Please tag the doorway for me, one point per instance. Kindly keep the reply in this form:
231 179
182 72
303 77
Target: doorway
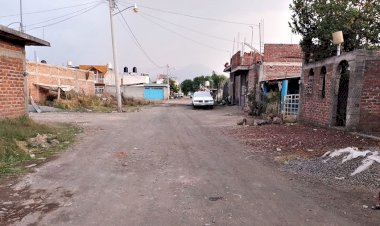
344 79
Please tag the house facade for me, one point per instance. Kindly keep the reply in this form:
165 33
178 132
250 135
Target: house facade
100 72
343 91
277 70
13 83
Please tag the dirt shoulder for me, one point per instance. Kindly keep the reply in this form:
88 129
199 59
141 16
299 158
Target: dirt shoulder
298 151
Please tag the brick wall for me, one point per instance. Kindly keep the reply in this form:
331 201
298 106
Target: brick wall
82 81
363 102
370 99
316 109
282 61
12 97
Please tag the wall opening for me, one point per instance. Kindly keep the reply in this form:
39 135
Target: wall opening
341 110
310 81
322 86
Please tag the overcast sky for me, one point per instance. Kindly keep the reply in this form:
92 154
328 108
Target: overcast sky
190 45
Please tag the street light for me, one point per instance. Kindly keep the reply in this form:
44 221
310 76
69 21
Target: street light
112 5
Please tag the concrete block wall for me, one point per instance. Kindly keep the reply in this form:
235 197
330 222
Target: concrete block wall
83 81
12 80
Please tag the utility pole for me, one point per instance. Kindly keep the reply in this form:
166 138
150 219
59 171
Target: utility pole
117 81
168 79
21 22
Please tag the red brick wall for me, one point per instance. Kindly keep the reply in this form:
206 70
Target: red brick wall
282 53
282 61
12 98
246 60
370 100
81 80
315 109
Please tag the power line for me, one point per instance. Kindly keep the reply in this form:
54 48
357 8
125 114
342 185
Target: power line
69 14
185 37
49 10
138 43
198 17
187 28
60 21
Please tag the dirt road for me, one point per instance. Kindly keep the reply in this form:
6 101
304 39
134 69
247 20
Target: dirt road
165 165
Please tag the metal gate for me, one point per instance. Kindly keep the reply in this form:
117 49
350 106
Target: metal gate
153 93
291 105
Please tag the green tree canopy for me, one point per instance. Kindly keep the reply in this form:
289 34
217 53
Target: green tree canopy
173 86
316 20
187 86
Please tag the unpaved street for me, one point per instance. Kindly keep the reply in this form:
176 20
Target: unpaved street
166 165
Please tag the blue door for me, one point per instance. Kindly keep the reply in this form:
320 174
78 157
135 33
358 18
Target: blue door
153 93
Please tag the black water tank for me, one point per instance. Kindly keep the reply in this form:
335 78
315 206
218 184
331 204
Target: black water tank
125 69
134 69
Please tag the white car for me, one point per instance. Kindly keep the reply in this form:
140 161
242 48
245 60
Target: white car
202 99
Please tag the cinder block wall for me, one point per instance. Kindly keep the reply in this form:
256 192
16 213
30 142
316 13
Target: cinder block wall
82 81
12 91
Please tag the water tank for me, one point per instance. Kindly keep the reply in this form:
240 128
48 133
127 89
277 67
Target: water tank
109 66
125 69
69 63
43 62
207 83
134 70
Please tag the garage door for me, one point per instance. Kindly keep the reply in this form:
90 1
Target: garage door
153 93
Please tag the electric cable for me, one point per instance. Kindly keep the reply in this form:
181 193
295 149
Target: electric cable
60 21
69 14
196 17
137 41
50 10
183 36
187 28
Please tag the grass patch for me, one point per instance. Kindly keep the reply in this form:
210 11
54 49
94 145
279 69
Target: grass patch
15 147
107 103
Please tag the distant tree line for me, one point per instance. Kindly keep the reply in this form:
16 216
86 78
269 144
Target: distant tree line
216 82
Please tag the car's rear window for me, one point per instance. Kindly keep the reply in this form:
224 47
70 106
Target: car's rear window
202 94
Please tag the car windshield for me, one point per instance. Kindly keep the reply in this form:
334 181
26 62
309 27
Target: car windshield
202 94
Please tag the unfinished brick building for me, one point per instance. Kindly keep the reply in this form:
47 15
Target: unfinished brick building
343 91
45 79
13 85
278 69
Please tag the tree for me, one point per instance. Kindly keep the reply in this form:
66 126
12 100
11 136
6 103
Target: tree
316 20
173 86
217 80
187 86
200 81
